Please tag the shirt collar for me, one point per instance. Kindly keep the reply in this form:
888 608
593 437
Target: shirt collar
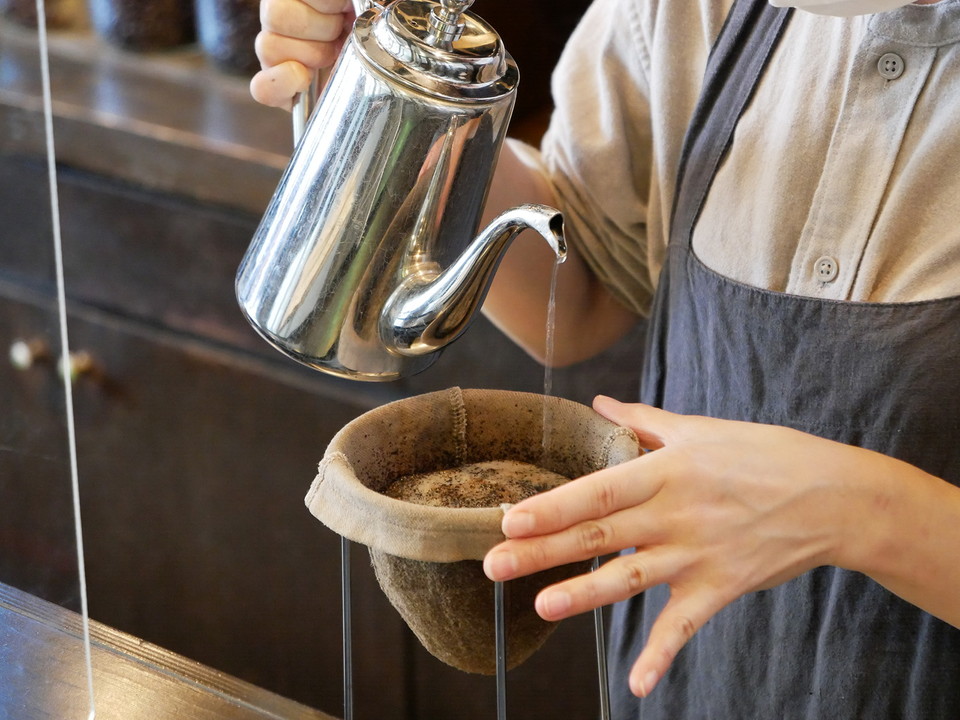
920 25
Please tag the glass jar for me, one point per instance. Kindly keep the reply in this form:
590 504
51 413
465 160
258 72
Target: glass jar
143 25
59 13
226 30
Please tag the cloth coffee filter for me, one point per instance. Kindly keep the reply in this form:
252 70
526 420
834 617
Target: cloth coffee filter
428 559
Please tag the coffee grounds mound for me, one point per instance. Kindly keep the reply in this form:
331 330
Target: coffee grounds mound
450 606
484 484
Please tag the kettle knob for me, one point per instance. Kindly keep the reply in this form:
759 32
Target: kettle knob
445 22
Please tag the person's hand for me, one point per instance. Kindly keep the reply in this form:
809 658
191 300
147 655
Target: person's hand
716 510
297 38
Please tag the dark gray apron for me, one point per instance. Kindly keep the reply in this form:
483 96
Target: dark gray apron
831 643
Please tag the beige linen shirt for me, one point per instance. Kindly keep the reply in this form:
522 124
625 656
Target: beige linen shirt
843 181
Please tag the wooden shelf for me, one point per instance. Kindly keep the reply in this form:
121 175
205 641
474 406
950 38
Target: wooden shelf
167 121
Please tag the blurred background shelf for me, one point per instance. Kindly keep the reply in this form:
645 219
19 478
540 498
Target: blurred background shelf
165 121
171 121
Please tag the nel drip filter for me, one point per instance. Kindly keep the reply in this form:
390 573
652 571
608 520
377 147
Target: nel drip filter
428 559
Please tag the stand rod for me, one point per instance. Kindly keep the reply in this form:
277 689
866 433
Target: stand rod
602 674
501 646
347 625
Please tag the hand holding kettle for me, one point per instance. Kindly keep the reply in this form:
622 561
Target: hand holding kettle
370 257
298 38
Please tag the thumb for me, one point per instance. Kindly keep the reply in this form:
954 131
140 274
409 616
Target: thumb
652 425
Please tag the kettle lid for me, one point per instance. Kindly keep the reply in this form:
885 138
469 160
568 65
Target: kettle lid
439 48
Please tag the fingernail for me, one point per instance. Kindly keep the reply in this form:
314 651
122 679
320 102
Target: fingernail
604 401
500 565
516 524
555 603
649 682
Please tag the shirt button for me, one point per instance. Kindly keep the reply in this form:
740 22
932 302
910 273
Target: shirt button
890 66
826 269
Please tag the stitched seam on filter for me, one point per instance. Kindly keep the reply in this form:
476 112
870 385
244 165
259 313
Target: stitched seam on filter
617 433
459 411
322 472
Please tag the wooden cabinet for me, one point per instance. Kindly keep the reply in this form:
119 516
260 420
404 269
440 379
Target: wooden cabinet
37 538
194 456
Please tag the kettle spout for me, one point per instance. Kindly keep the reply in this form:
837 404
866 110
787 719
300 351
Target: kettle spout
432 308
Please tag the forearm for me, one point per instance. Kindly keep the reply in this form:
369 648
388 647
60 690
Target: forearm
906 536
588 318
722 508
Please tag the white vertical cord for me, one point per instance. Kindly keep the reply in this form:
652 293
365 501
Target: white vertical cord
64 341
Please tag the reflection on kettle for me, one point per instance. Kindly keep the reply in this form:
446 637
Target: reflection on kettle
365 263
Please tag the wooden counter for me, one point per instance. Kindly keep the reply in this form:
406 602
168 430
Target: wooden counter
43 674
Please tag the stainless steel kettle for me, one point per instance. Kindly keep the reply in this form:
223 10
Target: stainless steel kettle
367 261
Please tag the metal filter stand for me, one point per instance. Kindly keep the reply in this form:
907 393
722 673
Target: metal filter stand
347 628
602 674
500 629
499 609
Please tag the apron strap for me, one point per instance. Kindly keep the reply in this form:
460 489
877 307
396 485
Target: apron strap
738 57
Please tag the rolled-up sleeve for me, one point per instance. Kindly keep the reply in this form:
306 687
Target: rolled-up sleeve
597 151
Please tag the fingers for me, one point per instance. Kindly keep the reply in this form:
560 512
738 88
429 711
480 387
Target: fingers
594 496
581 541
516 558
273 49
676 624
296 38
618 579
276 86
654 427
624 577
317 21
330 6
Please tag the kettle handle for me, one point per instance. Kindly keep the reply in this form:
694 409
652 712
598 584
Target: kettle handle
304 102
